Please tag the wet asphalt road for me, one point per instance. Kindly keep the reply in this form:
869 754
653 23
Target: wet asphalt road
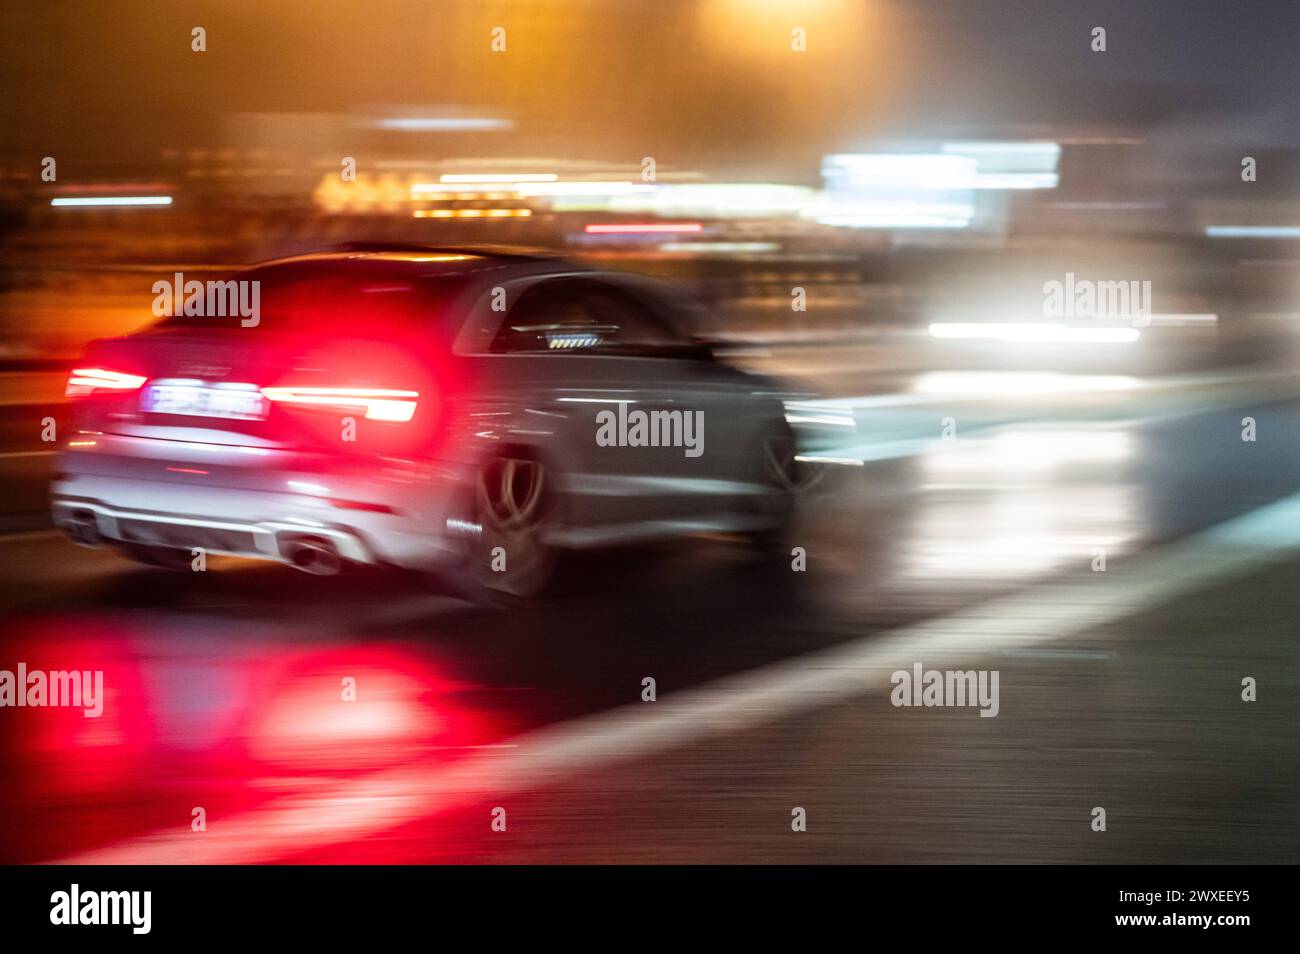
224 686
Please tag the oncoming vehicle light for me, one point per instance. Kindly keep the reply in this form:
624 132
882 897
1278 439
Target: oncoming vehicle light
380 404
84 381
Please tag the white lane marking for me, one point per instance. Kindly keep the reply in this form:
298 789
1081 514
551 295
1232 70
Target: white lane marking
973 386
894 443
1049 611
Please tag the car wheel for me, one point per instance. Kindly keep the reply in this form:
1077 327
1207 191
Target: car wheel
166 558
514 509
783 469
787 476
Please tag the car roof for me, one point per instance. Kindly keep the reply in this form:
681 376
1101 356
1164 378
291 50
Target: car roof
415 260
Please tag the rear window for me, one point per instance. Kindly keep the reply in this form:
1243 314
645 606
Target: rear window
385 304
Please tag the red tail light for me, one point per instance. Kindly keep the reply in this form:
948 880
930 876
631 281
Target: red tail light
85 381
379 404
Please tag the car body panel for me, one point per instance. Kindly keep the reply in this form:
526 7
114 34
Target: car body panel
398 493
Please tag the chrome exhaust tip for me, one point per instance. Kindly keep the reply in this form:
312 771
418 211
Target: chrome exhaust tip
318 557
83 529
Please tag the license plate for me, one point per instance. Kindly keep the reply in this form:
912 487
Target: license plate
244 404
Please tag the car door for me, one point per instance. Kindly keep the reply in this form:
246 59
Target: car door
641 433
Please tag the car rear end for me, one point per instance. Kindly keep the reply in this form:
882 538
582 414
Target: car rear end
309 437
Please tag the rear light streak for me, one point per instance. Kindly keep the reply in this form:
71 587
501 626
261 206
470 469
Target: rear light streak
85 381
380 404
472 213
503 177
100 201
642 228
360 505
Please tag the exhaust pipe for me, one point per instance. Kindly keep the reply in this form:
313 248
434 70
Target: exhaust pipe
314 556
82 528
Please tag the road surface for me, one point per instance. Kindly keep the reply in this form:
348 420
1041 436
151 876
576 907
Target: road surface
1118 688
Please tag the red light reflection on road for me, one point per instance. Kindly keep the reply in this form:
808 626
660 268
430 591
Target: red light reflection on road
355 709
226 726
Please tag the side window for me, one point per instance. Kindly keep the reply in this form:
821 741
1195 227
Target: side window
573 316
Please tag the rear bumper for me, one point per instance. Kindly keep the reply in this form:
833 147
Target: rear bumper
390 512
92 523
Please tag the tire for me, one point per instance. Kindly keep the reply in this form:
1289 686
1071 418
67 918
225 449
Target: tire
509 561
783 469
789 478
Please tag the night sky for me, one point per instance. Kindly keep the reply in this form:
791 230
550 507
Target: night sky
709 84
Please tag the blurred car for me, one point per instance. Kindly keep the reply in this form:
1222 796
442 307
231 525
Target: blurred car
437 409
